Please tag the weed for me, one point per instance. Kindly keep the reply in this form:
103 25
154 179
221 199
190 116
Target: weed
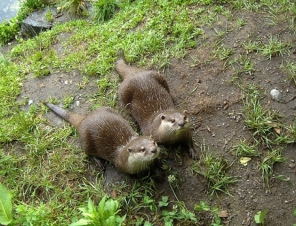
267 163
222 52
74 7
204 207
179 213
104 214
104 10
68 100
260 217
268 130
214 170
244 150
49 16
274 47
290 68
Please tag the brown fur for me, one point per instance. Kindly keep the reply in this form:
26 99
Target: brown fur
146 95
105 134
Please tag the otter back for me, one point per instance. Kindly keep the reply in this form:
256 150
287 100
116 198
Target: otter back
146 95
105 134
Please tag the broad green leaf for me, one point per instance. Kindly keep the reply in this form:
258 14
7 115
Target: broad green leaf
81 222
5 206
260 216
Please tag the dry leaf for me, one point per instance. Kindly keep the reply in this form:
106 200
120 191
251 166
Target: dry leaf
223 213
244 160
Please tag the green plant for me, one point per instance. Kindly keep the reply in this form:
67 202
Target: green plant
246 150
75 7
204 207
5 206
214 169
49 16
104 10
274 47
179 213
8 30
31 215
260 217
290 68
104 214
267 164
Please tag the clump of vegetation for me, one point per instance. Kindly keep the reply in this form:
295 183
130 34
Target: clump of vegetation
104 10
106 213
215 211
214 169
74 7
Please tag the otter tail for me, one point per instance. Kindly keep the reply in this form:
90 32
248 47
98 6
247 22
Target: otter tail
71 117
122 68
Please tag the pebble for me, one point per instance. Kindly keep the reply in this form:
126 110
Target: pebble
30 102
292 165
276 95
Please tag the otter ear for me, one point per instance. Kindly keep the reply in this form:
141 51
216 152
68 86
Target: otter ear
185 112
129 150
162 117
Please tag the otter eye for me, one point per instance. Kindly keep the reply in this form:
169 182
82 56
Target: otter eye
129 150
162 117
142 148
173 120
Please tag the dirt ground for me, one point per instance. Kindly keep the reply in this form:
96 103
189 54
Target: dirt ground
202 86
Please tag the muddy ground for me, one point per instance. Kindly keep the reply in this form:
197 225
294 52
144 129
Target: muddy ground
202 86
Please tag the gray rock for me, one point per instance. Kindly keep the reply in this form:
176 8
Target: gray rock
275 94
35 23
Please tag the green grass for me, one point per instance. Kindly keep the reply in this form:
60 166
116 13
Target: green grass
48 191
214 169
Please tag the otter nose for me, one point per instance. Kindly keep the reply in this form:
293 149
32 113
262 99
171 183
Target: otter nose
154 150
181 124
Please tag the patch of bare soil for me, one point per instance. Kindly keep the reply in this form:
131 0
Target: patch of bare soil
202 86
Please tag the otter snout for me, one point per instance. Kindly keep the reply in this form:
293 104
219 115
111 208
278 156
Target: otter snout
154 150
181 124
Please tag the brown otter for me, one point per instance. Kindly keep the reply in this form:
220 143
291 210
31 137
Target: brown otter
146 95
105 134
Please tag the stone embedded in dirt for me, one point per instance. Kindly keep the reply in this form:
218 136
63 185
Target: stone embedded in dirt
276 95
292 165
30 102
223 214
35 23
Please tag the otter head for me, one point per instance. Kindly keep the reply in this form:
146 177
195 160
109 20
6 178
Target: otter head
142 151
171 126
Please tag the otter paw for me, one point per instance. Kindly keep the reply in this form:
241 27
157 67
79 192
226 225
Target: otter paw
193 153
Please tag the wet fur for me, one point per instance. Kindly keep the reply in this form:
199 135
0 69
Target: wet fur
105 134
146 95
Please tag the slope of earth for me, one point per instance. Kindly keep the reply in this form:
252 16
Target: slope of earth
209 82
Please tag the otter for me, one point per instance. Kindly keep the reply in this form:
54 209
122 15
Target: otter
106 135
145 94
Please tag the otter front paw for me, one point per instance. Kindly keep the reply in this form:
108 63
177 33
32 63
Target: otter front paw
193 153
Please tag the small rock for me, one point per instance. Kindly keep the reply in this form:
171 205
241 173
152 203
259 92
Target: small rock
77 103
223 214
275 94
30 102
292 165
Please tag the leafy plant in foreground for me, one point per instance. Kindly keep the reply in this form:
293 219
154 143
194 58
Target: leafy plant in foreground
260 217
104 214
5 206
